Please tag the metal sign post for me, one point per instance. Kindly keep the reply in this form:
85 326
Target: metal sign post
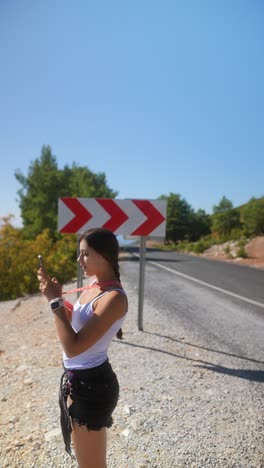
142 261
79 270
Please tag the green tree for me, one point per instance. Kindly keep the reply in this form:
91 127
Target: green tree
178 217
39 194
225 217
200 225
81 182
45 184
224 206
252 215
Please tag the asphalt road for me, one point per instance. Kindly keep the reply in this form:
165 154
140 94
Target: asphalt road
218 305
245 281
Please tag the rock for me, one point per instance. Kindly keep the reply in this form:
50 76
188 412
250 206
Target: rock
17 304
125 433
52 434
22 368
28 381
19 443
13 420
127 410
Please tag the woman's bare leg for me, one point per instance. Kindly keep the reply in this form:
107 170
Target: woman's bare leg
89 446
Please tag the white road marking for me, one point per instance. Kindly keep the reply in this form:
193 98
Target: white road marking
208 285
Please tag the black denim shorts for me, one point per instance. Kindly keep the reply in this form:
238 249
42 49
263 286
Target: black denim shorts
94 394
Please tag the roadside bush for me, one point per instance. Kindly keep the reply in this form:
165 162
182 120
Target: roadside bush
19 263
236 234
184 246
199 247
62 262
228 250
241 252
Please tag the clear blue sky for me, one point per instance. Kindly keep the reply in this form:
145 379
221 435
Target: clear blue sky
161 96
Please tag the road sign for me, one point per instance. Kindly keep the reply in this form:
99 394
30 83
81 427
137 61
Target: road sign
127 217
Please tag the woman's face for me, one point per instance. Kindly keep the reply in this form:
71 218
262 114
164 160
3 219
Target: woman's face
89 259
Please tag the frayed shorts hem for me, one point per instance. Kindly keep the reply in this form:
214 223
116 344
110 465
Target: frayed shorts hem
92 427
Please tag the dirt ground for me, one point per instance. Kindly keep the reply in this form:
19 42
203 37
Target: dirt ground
254 249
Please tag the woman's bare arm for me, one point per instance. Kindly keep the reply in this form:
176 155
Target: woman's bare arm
109 308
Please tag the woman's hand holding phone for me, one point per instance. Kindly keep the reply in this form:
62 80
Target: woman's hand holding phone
49 287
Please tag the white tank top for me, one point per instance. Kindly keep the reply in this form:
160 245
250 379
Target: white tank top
96 354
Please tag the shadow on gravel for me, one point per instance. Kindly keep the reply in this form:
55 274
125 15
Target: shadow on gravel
206 349
158 350
248 374
155 349
255 375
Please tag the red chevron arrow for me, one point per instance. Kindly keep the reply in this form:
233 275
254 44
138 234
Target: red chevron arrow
155 218
118 216
82 215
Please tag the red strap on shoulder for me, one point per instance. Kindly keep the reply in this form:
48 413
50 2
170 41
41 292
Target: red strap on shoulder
94 285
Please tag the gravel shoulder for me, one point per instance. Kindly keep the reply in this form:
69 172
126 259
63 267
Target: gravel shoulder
173 410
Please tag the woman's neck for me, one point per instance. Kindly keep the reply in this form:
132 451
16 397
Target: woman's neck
106 279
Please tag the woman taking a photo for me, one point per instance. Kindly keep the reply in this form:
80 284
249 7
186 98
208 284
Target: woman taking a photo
89 387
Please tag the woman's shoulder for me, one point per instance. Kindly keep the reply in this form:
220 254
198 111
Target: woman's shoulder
112 293
112 299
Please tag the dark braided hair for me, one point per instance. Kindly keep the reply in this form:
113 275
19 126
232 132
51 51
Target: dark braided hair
106 244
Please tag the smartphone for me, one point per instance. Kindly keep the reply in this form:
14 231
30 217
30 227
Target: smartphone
41 262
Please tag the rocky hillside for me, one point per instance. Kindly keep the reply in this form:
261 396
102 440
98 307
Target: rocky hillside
228 252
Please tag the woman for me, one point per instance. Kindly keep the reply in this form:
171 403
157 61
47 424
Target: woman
89 387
